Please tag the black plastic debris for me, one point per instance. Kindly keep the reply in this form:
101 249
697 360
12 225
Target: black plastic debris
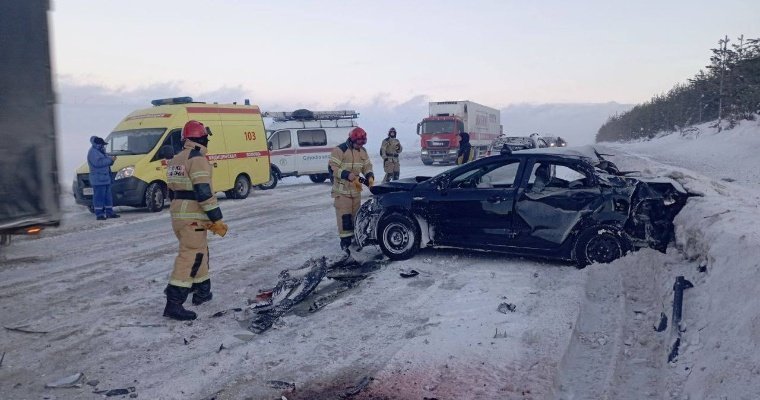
186 341
282 385
504 307
409 274
223 312
1 359
115 392
221 347
663 324
353 391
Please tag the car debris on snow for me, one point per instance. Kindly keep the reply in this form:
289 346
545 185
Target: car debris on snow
282 385
71 381
117 392
409 274
223 312
1 359
504 307
354 390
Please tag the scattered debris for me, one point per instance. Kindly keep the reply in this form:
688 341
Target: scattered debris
728 179
221 347
1 359
93 382
23 329
498 335
352 391
71 381
716 214
186 341
504 307
282 385
223 312
702 267
409 274
663 324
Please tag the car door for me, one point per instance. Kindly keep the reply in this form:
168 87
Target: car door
282 152
312 153
474 207
548 208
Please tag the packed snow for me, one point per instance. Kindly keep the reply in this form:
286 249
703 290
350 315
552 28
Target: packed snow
87 298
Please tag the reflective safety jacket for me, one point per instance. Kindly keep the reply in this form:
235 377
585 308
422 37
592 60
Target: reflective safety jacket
390 149
189 180
344 159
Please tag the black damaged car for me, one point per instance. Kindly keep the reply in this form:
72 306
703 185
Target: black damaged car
561 203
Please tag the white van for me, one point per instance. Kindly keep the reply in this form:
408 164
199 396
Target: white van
300 142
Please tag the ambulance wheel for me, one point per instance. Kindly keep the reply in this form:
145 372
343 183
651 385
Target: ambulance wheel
154 197
241 190
272 183
318 178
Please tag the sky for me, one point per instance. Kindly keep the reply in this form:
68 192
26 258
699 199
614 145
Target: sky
329 52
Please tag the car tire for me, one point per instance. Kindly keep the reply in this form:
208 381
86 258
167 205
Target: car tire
398 236
241 190
426 162
600 244
272 183
154 197
318 178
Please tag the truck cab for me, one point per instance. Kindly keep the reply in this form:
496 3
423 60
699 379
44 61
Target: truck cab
439 138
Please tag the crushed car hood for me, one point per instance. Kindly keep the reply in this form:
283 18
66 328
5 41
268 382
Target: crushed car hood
401 185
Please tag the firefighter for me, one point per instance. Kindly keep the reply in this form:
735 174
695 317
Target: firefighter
194 211
347 161
389 151
466 153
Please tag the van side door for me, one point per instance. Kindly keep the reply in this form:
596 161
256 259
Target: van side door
312 153
282 152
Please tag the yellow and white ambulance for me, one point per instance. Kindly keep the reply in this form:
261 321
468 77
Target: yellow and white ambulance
237 150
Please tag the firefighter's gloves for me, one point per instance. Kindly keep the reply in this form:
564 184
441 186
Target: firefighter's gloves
218 228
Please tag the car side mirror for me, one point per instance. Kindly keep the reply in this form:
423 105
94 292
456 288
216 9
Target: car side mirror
443 183
269 145
418 128
166 152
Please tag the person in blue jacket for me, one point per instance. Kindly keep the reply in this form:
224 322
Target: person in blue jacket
100 179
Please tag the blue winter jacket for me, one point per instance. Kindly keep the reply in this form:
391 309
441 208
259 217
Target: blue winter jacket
100 164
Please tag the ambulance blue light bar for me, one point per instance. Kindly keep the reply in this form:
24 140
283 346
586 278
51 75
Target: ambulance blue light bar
172 100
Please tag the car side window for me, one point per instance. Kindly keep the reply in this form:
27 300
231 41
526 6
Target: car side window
547 175
312 137
281 140
494 175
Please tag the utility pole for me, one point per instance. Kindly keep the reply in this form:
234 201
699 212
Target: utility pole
723 50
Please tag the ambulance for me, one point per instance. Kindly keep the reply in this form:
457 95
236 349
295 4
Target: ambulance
300 142
144 140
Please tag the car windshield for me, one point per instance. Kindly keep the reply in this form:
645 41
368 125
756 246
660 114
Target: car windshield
438 126
134 141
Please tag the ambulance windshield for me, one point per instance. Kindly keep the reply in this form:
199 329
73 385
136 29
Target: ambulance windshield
133 141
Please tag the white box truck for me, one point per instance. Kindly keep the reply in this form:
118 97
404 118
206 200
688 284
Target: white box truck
439 131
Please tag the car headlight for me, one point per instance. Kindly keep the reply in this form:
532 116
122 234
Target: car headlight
453 151
125 172
424 152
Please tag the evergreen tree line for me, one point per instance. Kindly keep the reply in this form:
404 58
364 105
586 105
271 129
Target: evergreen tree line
727 91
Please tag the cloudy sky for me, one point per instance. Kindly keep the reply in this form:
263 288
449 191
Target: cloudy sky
327 52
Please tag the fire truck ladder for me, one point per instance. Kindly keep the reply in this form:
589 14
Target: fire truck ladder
306 115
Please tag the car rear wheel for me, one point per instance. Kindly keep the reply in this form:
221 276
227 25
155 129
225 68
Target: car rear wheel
399 237
154 197
600 244
318 178
272 182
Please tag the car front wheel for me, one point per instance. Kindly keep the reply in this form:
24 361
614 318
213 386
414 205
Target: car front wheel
600 244
399 237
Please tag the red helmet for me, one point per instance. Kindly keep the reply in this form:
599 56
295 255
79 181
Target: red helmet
193 130
358 136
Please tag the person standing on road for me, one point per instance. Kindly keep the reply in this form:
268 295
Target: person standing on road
100 179
389 151
347 161
465 154
194 211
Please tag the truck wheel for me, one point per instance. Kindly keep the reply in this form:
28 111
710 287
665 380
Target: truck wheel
154 197
272 183
600 244
399 237
426 162
241 190
318 178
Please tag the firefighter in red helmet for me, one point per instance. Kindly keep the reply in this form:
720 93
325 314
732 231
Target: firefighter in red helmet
348 161
194 211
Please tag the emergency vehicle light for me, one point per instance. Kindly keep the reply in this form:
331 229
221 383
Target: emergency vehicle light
281 116
33 230
172 100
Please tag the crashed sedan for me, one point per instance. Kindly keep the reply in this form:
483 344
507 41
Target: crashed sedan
562 203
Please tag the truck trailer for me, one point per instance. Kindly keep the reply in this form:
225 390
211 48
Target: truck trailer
439 132
29 185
